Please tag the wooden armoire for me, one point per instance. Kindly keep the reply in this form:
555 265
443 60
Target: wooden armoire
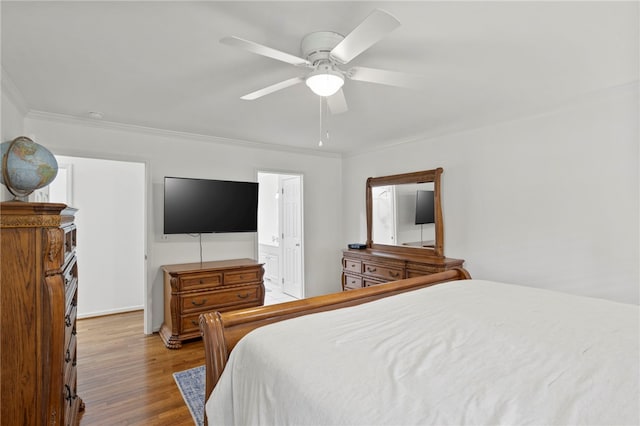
38 295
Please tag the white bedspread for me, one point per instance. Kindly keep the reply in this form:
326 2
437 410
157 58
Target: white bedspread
468 352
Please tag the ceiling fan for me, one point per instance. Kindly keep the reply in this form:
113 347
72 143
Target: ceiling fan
325 53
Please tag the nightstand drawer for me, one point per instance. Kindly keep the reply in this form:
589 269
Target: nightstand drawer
198 281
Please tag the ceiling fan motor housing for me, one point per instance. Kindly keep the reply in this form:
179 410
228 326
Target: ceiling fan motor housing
316 46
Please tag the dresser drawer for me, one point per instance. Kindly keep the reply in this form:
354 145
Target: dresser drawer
69 324
352 282
239 298
190 323
70 358
70 272
386 272
241 277
69 241
200 281
211 300
352 266
368 282
70 397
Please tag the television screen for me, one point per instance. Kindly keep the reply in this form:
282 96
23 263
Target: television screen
424 207
199 206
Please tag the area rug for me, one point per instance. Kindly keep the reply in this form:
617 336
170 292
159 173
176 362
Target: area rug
191 384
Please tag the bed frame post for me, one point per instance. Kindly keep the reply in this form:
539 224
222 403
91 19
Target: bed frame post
215 350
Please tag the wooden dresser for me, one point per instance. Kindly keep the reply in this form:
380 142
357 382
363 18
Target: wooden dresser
38 296
362 268
194 288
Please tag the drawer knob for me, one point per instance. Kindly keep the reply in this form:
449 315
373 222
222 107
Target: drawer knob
194 303
394 274
371 269
201 281
67 321
243 296
194 322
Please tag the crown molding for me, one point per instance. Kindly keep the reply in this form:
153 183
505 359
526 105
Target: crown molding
13 93
111 125
600 95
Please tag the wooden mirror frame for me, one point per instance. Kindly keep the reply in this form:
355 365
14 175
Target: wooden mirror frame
408 178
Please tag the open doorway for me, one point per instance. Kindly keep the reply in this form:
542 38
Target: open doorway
111 197
280 236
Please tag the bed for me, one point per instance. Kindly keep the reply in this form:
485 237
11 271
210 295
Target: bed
412 352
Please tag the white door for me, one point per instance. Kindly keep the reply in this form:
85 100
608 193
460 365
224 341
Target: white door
292 236
384 214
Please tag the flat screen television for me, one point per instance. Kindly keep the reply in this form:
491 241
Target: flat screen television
424 207
200 206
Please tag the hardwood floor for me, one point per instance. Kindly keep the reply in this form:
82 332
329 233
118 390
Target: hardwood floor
125 377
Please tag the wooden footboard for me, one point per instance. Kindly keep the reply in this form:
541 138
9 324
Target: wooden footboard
221 331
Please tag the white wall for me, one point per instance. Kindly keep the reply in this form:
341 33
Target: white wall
169 154
548 201
109 196
12 126
268 222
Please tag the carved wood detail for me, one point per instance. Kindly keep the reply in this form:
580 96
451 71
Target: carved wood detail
54 248
29 221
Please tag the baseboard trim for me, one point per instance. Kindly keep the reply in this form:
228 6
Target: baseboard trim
110 312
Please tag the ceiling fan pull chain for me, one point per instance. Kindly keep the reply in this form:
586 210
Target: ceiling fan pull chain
320 141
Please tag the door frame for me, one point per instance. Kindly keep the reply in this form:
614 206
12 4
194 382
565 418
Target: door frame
147 296
301 202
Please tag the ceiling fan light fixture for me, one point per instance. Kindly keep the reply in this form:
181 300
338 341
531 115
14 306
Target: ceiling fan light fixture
325 82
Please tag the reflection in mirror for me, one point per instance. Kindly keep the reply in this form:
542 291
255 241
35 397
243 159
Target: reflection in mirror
403 215
395 225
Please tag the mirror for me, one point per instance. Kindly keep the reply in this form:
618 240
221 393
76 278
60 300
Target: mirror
404 214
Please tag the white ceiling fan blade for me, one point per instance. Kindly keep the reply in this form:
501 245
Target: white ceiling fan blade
390 78
273 88
337 103
264 51
375 26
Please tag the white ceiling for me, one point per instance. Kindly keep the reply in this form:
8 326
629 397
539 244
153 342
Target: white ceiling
160 64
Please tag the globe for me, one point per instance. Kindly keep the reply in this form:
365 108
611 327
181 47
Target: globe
26 166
